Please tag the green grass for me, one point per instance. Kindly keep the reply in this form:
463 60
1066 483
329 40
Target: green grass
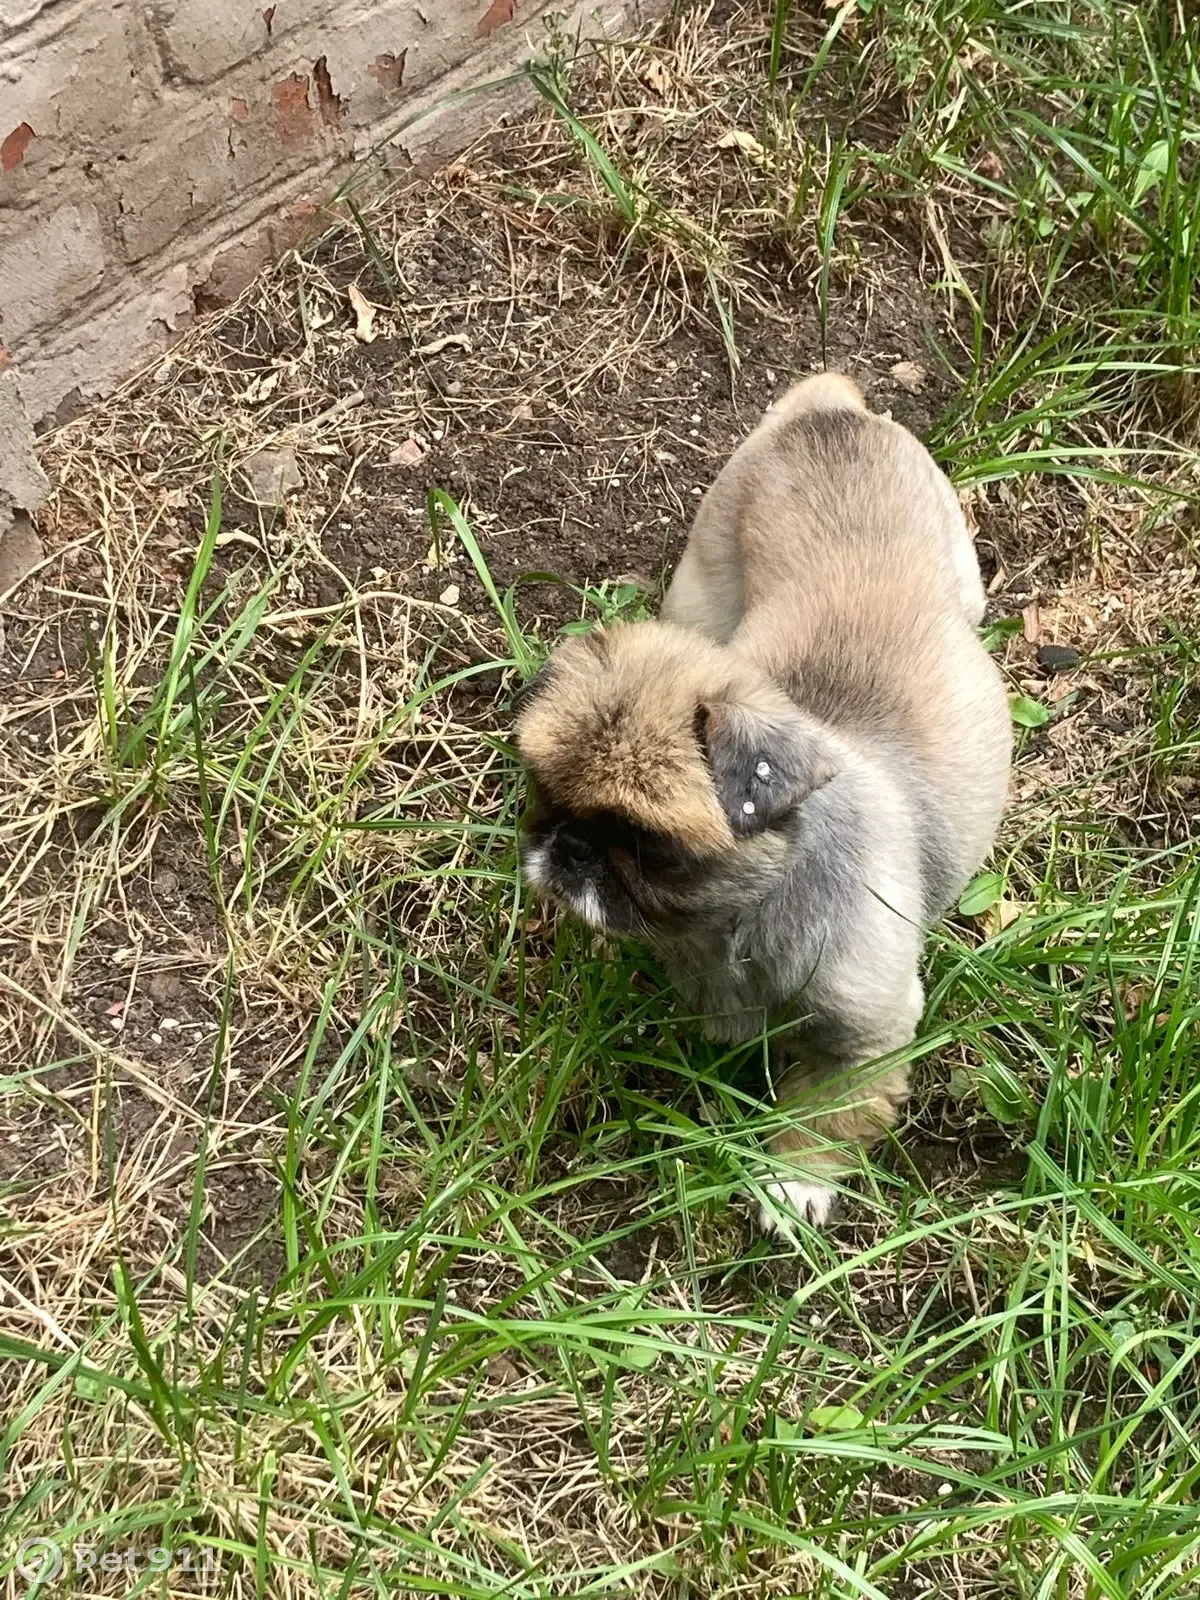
505 1328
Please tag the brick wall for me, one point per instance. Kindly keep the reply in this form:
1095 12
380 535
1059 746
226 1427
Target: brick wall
154 153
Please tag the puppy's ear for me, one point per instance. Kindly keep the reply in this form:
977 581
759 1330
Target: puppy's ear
763 764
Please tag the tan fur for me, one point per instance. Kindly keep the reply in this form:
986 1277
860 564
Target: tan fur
820 628
616 732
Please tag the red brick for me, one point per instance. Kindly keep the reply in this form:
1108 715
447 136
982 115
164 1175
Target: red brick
232 271
12 150
497 14
388 70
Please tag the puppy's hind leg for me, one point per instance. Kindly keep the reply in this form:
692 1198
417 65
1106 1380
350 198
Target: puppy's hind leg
972 594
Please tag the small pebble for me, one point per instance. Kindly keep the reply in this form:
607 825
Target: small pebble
748 807
763 769
168 1023
164 987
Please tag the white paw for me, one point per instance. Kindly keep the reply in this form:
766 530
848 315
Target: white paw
812 1202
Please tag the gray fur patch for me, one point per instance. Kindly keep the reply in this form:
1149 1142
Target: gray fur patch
785 918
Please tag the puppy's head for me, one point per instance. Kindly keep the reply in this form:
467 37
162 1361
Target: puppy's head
660 762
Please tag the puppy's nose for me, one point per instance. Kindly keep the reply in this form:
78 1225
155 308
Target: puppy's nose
573 849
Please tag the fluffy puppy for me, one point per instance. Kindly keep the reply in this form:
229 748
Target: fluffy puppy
782 782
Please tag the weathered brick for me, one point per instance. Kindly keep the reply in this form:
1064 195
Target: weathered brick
23 485
213 162
81 359
191 139
19 13
82 89
49 266
167 186
234 268
200 40
377 59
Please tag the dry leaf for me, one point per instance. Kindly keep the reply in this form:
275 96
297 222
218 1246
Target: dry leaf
523 413
261 388
364 314
501 1370
736 139
436 346
409 454
1059 689
449 595
655 76
910 376
1031 622
1133 998
1000 916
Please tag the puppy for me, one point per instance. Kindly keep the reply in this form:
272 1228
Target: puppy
782 782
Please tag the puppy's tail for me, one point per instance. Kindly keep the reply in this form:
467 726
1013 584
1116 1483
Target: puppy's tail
827 391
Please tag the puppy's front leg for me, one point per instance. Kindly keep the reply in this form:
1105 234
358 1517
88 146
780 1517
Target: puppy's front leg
835 1106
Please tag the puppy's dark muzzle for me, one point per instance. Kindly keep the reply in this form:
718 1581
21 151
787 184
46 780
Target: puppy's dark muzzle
572 851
